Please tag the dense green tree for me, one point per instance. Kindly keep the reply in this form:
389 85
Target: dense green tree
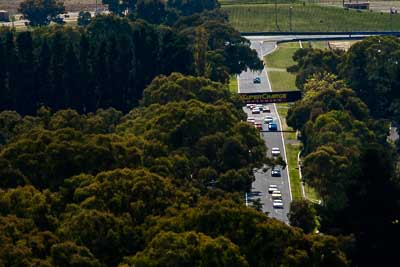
58 91
346 158
49 157
11 65
371 68
303 214
84 18
263 241
178 87
324 93
22 244
43 80
139 193
189 7
153 11
26 96
68 254
4 94
188 249
311 61
28 202
73 92
41 12
107 236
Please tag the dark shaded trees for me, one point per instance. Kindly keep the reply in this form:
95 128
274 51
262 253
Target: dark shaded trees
41 12
303 215
190 7
371 68
314 61
188 249
346 155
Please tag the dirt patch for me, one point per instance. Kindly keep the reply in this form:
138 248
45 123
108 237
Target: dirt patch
70 5
341 45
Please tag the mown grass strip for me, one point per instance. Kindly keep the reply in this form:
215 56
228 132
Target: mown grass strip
292 146
233 84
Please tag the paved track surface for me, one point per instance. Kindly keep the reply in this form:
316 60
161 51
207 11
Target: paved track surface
265 45
271 139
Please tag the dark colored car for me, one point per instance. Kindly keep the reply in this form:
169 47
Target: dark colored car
272 127
275 172
257 80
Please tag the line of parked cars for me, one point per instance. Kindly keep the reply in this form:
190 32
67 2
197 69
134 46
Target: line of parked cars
276 196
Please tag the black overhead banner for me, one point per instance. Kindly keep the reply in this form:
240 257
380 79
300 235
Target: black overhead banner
270 97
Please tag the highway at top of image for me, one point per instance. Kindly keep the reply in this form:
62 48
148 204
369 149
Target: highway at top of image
272 140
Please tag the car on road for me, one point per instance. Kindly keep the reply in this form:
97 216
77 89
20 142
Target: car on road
272 188
258 125
250 106
277 204
275 151
276 195
268 119
272 127
255 110
257 80
266 109
251 120
275 172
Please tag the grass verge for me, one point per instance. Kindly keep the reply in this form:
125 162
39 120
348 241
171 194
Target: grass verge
233 84
282 56
282 81
277 62
309 17
292 146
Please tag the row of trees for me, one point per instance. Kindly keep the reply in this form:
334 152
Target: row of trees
370 67
144 189
40 12
348 160
109 63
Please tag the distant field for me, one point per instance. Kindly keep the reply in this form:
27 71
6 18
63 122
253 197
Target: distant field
245 2
376 5
310 17
71 5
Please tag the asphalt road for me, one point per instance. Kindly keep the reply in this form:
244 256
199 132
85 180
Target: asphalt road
265 45
271 139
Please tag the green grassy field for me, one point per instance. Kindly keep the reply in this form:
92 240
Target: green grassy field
233 84
310 17
247 2
277 63
282 81
282 57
